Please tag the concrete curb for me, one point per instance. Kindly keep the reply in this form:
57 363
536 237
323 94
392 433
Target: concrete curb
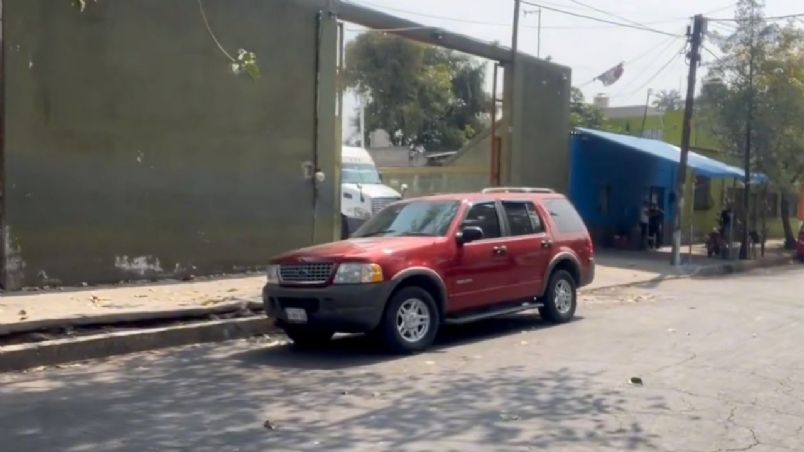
743 266
128 317
47 353
708 271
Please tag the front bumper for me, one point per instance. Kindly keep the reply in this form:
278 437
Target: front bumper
354 308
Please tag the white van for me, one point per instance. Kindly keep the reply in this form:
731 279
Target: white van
362 191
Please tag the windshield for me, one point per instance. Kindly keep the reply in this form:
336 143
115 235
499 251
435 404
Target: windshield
359 173
417 218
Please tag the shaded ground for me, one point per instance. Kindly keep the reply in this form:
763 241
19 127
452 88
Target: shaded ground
721 363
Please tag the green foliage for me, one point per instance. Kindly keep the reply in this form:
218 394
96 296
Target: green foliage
247 62
422 95
775 89
586 115
668 100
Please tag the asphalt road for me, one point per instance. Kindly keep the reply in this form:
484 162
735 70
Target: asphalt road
721 363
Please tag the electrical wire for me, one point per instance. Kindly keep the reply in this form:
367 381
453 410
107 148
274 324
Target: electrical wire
593 8
639 74
653 77
583 16
787 16
509 25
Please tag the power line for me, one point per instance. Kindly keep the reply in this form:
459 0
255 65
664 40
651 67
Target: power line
583 16
717 10
743 19
659 54
653 77
498 24
607 13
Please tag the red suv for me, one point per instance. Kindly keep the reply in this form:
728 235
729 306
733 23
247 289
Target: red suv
427 261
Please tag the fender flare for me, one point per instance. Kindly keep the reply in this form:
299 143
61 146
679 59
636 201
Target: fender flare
428 273
563 257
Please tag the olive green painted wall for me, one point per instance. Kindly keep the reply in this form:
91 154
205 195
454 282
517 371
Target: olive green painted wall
538 155
132 150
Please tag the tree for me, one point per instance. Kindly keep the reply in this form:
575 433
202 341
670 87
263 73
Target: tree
775 90
668 100
420 94
583 114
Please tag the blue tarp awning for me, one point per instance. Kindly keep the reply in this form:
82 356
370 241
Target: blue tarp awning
702 165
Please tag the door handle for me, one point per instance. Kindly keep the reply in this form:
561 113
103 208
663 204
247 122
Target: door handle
500 250
547 244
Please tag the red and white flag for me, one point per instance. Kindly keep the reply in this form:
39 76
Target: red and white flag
612 75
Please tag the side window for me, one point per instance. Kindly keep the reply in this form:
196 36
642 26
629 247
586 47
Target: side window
522 218
485 217
565 216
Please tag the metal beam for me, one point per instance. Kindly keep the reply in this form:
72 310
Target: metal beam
372 18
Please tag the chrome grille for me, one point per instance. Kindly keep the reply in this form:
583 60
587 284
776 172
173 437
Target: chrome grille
377 204
306 273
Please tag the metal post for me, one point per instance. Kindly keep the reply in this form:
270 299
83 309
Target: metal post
494 177
539 35
694 57
744 253
645 113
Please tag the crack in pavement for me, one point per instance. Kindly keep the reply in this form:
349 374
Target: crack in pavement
680 363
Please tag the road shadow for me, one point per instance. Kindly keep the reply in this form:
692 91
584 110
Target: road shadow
361 350
200 399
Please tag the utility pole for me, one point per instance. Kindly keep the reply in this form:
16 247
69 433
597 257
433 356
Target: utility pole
747 155
645 113
539 35
515 32
698 24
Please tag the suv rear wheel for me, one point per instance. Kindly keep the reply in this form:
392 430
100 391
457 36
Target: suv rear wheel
304 336
410 322
561 298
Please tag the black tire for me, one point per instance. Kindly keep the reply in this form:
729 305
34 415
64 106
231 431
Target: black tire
344 228
391 334
306 337
553 311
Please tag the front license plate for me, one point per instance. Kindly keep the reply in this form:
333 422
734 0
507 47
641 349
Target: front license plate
296 315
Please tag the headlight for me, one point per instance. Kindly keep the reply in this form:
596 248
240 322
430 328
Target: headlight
358 273
273 274
362 214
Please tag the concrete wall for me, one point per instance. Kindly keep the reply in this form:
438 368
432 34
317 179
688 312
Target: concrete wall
132 150
536 153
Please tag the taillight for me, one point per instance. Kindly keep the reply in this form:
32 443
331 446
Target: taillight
591 245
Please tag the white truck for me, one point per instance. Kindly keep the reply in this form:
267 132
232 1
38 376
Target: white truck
362 192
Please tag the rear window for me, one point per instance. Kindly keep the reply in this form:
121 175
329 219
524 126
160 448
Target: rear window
565 216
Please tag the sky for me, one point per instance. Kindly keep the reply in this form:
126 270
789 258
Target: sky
652 60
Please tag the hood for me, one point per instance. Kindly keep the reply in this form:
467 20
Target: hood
374 190
372 249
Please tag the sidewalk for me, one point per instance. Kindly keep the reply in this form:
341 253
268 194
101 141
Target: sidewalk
72 307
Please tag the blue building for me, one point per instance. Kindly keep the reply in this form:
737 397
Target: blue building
612 175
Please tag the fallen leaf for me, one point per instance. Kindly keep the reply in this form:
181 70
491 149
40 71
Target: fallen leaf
22 312
509 417
635 381
268 425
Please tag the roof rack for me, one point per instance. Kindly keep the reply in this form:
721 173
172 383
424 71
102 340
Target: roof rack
517 190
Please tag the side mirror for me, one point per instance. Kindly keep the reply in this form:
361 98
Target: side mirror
469 234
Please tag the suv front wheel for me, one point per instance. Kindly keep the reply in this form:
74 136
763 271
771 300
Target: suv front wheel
561 298
411 320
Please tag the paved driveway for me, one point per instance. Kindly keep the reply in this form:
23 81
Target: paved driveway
721 363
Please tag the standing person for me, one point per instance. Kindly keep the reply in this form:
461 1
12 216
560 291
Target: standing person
644 220
655 225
